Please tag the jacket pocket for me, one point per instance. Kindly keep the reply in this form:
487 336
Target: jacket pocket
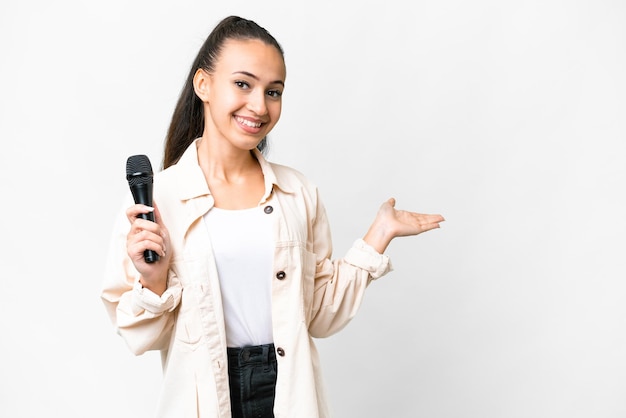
308 282
188 324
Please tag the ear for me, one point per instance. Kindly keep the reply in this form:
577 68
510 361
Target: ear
201 84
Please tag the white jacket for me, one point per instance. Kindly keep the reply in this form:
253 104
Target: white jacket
312 295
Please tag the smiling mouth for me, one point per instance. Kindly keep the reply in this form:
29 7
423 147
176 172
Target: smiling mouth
249 123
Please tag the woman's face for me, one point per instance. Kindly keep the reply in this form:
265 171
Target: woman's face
243 101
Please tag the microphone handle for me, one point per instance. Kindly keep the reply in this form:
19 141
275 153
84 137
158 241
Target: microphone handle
142 193
149 255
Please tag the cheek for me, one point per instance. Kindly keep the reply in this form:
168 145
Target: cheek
275 111
223 101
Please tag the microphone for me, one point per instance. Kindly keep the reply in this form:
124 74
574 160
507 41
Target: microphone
139 176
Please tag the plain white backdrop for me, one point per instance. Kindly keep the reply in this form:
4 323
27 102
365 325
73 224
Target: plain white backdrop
509 118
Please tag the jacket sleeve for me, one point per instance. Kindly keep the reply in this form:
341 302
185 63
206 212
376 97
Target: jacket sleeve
340 284
143 319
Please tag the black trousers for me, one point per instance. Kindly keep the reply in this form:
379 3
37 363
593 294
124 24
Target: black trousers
252 377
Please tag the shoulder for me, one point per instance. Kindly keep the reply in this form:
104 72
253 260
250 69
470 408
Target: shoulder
290 174
186 166
166 181
185 177
290 179
167 174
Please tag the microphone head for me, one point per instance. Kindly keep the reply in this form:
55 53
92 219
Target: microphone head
138 170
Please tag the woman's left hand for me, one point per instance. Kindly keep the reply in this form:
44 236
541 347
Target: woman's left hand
391 223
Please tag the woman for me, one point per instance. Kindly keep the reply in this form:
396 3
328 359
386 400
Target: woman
245 278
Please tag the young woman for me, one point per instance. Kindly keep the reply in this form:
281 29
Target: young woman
245 278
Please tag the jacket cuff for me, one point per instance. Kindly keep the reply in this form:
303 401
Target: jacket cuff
364 256
146 300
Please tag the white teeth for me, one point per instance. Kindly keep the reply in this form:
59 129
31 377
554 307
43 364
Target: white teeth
249 123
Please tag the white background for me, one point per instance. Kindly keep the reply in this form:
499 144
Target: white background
509 118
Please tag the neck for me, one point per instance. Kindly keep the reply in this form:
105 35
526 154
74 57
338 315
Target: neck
224 162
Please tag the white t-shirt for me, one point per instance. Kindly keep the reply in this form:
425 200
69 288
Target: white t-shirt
243 247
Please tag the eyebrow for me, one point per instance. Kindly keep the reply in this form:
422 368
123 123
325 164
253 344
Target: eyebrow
246 73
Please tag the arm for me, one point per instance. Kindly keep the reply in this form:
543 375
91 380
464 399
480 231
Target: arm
340 284
143 317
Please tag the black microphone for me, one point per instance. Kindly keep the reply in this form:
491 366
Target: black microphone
139 176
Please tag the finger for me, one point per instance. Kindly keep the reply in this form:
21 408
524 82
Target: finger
434 218
136 250
134 211
433 221
140 224
429 227
427 218
424 222
143 240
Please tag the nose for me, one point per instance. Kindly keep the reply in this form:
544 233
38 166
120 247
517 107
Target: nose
256 103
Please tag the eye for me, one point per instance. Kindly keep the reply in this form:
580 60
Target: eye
242 84
275 93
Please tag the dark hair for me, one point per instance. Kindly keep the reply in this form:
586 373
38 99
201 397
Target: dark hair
187 122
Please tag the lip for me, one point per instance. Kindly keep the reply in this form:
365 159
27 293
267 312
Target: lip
250 125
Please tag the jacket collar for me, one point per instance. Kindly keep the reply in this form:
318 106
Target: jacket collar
194 184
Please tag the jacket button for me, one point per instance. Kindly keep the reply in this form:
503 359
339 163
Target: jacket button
268 209
281 275
280 352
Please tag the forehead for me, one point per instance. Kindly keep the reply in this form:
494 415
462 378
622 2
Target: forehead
253 56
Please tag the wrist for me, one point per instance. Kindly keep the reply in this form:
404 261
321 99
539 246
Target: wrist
378 237
157 288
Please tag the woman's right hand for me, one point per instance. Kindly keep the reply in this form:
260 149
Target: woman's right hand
147 235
